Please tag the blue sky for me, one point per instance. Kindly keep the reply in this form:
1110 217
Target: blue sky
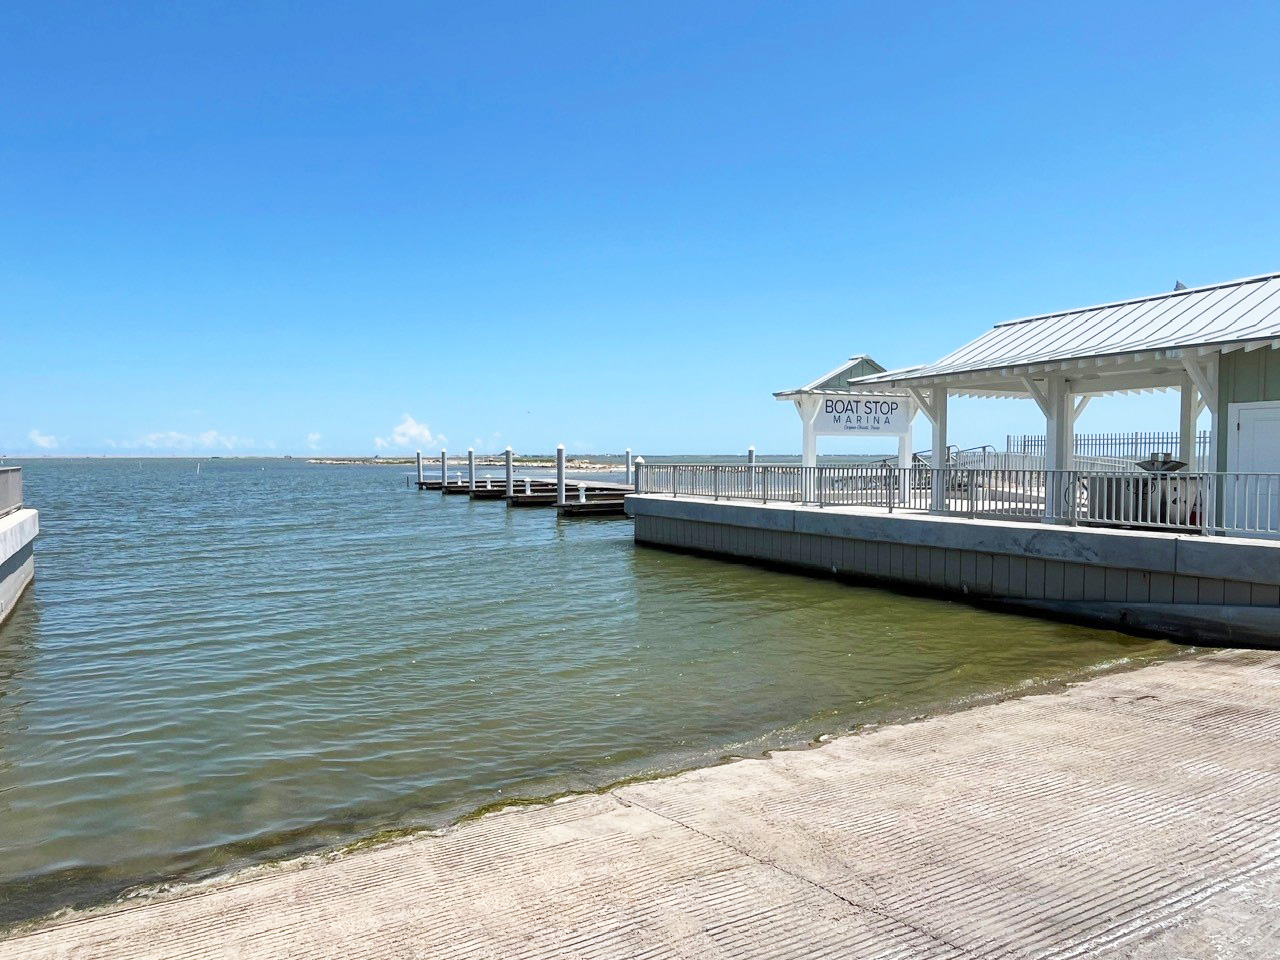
286 227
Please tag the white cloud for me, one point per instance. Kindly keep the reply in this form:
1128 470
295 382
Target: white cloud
313 441
407 433
173 440
42 440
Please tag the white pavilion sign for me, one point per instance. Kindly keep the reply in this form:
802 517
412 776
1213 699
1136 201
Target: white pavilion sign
838 415
829 408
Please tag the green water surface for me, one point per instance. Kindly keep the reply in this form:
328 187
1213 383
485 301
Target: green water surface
266 657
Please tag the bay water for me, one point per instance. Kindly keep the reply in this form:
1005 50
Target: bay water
222 665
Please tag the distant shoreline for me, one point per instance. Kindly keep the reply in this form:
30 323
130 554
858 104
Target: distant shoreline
481 461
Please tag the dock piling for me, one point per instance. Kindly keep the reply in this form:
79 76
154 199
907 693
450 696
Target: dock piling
582 493
560 475
471 468
528 485
627 477
511 477
419 469
444 468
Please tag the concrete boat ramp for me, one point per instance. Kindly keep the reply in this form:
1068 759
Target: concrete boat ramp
1136 815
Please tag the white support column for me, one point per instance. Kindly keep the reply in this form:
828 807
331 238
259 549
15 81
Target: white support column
938 414
444 468
419 469
471 469
1204 374
808 408
560 475
1211 374
904 454
809 452
511 474
627 477
1059 444
1188 402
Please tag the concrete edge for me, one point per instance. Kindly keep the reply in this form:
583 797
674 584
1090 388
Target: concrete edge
18 532
1228 558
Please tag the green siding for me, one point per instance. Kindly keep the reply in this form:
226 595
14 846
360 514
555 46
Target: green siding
1245 377
839 380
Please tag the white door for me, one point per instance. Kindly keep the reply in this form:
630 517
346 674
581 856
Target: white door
1251 499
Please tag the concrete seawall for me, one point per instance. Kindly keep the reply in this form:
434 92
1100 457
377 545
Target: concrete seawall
17 558
1215 589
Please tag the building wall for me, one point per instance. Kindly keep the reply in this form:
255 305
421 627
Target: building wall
1245 377
1190 588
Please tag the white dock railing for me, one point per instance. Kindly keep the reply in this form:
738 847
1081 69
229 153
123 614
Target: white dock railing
10 490
1237 504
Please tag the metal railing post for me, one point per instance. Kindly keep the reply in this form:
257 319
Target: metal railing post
560 475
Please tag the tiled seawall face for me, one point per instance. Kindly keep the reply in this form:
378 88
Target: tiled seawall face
1145 599
983 574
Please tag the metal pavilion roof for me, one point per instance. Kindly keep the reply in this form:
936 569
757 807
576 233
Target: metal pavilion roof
1123 346
837 380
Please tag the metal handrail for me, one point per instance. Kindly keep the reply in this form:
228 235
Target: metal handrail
1222 502
10 490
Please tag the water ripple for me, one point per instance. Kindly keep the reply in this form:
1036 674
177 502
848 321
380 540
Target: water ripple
217 668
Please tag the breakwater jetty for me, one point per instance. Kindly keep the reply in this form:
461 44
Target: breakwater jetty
1144 829
570 498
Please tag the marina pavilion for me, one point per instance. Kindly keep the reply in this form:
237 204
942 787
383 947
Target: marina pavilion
1175 540
1217 345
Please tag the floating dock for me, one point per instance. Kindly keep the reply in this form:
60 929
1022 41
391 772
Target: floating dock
603 507
571 498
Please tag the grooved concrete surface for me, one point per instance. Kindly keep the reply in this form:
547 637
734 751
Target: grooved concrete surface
1136 815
